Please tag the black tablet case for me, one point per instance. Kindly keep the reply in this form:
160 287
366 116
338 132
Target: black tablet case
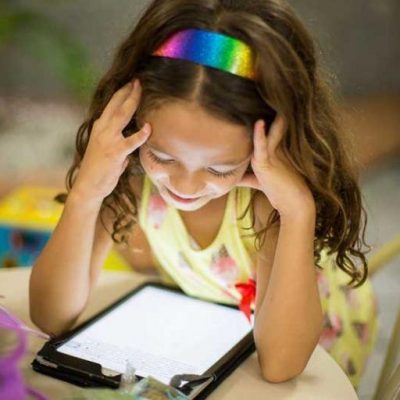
52 363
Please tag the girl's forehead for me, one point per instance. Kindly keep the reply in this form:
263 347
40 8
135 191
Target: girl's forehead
186 127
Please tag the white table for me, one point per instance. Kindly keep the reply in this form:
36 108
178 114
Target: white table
322 378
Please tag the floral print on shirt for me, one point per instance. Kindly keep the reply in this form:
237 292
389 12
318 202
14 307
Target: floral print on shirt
224 267
157 210
349 332
332 330
362 331
351 297
323 284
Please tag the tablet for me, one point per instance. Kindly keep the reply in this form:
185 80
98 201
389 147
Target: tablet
158 330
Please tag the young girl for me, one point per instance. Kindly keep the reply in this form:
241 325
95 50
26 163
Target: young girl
212 151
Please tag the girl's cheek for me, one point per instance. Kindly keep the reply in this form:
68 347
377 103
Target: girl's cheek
221 186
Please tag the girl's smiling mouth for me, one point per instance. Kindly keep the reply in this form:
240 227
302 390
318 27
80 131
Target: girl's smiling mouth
182 199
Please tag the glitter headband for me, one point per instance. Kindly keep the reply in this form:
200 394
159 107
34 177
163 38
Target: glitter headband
211 49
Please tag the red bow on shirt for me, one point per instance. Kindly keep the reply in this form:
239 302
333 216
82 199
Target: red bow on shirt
248 292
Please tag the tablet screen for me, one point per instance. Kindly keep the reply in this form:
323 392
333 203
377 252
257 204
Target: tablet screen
160 333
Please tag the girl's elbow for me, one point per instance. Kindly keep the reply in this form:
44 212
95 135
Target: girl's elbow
43 325
275 374
277 369
52 326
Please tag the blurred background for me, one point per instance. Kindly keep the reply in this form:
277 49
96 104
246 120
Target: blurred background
53 52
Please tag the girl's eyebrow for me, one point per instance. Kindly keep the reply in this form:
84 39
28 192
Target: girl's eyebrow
233 163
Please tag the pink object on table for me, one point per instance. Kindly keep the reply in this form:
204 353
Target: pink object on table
12 385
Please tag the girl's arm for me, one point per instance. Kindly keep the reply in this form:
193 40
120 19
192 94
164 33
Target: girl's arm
67 268
288 320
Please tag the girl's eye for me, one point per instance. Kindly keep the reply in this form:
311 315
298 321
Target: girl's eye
212 171
222 174
158 160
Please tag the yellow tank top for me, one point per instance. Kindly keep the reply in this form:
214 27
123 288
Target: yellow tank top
208 273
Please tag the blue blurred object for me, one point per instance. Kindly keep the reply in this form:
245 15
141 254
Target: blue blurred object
19 246
28 216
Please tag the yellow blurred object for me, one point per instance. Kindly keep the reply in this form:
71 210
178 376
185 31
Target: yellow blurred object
384 255
33 210
31 207
116 262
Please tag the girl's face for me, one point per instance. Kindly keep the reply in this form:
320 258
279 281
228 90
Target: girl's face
192 157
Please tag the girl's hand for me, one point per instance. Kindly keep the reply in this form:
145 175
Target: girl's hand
106 155
274 174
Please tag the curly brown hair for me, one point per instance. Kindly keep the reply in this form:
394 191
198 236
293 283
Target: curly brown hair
289 81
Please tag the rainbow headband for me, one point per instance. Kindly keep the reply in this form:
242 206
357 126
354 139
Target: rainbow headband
212 49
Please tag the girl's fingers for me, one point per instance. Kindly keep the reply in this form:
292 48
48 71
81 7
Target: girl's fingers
134 141
115 103
124 165
260 142
275 134
127 109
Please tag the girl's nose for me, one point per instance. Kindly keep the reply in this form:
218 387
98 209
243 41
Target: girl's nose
186 184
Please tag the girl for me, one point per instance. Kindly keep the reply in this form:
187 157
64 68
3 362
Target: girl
213 152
